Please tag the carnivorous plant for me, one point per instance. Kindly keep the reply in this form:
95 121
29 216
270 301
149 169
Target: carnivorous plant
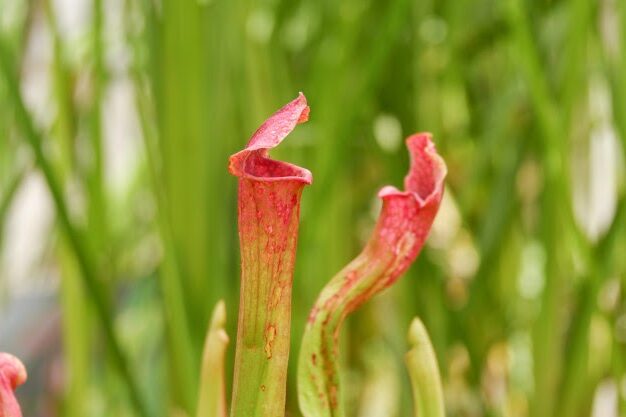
268 217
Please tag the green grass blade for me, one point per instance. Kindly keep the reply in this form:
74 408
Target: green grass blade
76 242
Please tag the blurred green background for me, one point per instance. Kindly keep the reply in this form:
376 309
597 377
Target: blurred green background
118 217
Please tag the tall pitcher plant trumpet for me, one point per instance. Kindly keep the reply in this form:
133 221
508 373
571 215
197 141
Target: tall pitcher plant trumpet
268 217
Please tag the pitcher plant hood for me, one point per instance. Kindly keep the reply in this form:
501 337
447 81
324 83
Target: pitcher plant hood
254 163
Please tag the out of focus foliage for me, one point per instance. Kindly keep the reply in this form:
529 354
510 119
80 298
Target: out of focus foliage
122 113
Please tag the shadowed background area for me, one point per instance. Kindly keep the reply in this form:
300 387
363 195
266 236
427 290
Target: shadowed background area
118 216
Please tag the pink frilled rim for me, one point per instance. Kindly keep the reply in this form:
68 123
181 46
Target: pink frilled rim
254 162
12 374
12 370
426 175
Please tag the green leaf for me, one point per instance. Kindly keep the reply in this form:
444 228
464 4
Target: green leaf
424 372
212 394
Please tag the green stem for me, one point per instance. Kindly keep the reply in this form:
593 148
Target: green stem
76 334
7 196
95 176
76 321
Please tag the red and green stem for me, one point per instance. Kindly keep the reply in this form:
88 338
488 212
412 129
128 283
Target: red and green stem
400 232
